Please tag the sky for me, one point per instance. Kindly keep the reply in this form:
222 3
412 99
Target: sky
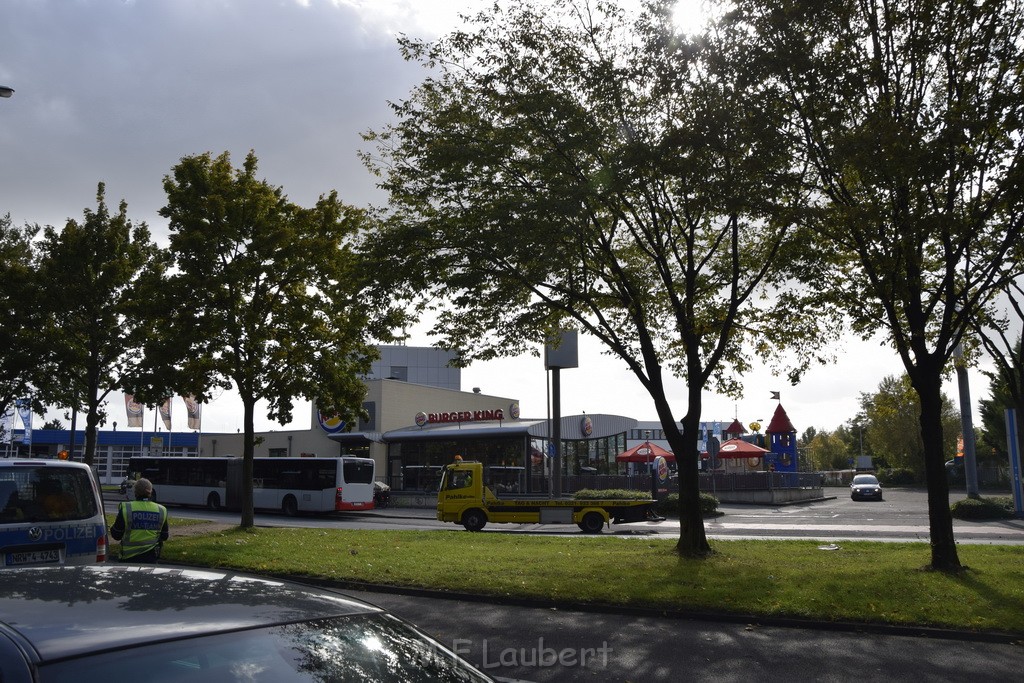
118 91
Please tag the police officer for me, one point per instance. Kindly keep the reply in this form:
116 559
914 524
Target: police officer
141 526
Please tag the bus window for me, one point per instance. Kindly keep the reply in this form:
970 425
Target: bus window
358 471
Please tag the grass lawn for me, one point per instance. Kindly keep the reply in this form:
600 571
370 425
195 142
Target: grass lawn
861 582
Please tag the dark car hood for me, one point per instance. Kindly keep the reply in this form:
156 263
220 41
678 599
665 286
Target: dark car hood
114 606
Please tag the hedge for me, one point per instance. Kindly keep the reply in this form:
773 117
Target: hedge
1000 507
665 507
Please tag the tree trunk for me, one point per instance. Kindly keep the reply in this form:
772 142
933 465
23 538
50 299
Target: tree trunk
693 540
92 419
940 520
248 446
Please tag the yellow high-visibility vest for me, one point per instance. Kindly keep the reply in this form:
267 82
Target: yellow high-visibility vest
143 522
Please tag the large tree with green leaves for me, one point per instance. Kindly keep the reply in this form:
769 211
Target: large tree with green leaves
572 164
94 318
22 373
911 114
265 297
892 415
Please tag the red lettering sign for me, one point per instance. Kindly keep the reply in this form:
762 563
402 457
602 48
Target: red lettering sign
466 416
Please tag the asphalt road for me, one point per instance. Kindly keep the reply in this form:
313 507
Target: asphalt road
544 644
901 516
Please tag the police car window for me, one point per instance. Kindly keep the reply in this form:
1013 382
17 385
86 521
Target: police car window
40 494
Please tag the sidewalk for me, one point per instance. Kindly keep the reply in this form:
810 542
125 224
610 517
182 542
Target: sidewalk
403 512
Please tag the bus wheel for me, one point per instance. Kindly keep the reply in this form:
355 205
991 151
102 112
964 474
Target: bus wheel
592 523
213 501
290 506
474 520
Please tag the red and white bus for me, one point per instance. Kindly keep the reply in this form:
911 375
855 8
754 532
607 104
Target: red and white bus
290 485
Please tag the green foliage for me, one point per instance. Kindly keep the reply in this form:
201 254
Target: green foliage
611 494
669 505
893 427
983 508
898 476
909 115
1002 395
265 296
596 170
828 452
272 289
21 372
96 313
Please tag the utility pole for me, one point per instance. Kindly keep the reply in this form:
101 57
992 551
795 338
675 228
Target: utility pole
966 424
562 352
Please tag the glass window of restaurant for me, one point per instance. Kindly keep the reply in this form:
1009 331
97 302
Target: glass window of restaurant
417 465
592 456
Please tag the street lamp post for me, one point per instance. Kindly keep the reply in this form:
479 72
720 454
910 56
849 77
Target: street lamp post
5 91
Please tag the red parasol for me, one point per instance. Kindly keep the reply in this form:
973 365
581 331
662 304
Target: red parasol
738 448
645 452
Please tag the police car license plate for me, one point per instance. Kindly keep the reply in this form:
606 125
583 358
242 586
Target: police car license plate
33 557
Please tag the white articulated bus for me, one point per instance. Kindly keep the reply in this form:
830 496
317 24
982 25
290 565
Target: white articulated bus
290 485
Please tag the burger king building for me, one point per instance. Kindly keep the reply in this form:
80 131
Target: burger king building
419 420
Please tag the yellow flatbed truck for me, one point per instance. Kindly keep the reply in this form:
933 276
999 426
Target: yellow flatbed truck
465 500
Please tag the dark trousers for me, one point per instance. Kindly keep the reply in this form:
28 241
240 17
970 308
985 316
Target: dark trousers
149 557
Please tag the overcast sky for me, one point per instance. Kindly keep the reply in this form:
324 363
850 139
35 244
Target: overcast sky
119 90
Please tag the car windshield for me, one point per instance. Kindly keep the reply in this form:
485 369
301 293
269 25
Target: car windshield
368 647
865 479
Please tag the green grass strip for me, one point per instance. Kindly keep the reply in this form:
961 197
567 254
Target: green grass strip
861 582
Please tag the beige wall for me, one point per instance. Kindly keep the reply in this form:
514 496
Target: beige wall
313 440
395 406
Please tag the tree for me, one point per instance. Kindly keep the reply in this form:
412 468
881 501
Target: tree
1007 380
54 424
565 166
993 417
21 369
808 436
267 298
88 274
911 114
828 452
892 425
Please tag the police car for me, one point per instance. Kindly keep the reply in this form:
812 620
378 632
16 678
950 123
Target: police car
51 513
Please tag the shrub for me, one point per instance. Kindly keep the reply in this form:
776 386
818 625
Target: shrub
670 505
897 476
1000 507
665 507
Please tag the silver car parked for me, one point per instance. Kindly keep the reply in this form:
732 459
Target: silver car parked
108 623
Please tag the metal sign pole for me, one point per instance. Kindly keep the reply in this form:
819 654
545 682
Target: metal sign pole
1013 449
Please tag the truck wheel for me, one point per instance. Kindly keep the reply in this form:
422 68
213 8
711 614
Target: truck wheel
213 501
474 520
290 506
592 523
